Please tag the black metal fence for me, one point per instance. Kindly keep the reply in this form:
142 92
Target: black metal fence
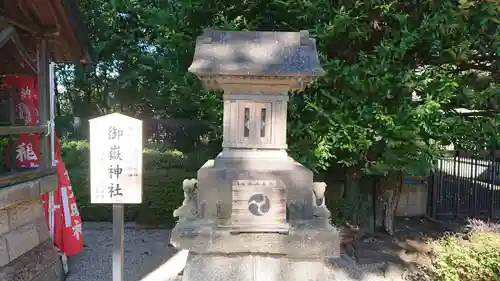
466 184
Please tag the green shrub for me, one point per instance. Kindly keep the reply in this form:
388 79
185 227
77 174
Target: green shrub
473 257
163 174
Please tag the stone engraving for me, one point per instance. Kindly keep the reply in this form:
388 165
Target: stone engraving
259 204
188 209
320 209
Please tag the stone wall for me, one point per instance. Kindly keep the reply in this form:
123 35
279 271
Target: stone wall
26 250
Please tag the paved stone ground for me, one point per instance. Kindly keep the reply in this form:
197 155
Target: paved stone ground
347 269
145 250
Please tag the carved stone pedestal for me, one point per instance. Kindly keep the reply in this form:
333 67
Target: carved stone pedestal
251 267
260 194
257 215
216 254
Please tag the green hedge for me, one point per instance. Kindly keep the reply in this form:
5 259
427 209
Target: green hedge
164 172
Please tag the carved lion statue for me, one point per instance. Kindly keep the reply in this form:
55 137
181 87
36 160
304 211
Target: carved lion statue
319 189
188 209
320 209
189 187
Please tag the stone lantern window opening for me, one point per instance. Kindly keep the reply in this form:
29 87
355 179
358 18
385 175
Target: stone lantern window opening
255 121
255 124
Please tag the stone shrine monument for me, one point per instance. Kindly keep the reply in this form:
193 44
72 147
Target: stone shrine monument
253 213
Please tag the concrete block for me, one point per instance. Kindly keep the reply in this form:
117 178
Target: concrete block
413 200
39 264
48 183
234 267
402 204
218 268
4 222
22 240
23 213
268 268
16 193
43 229
38 208
245 267
4 251
53 273
304 270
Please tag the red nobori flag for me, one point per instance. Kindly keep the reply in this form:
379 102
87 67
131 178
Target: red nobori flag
61 211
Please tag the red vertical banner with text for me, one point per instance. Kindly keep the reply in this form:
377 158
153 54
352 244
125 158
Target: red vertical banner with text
27 146
62 210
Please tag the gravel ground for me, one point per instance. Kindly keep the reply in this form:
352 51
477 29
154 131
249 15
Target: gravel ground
145 250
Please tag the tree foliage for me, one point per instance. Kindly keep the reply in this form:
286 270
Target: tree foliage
398 73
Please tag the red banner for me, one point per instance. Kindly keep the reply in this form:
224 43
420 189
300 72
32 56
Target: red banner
61 210
27 145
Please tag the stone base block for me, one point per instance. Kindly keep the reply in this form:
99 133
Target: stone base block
216 180
304 270
249 267
305 240
39 264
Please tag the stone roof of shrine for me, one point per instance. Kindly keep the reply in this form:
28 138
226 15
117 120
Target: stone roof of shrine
256 53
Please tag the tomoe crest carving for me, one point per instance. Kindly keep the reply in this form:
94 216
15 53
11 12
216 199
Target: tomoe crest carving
259 204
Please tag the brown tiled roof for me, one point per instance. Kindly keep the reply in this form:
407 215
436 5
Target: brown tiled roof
59 21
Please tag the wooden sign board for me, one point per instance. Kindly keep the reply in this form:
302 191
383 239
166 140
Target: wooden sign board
115 160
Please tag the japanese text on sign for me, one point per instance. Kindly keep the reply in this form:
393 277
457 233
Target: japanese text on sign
116 159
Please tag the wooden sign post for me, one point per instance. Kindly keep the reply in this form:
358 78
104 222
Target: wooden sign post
116 172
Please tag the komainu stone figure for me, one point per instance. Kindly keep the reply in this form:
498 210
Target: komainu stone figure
320 209
187 212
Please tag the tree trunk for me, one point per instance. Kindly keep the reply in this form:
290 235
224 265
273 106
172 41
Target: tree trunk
391 192
358 202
